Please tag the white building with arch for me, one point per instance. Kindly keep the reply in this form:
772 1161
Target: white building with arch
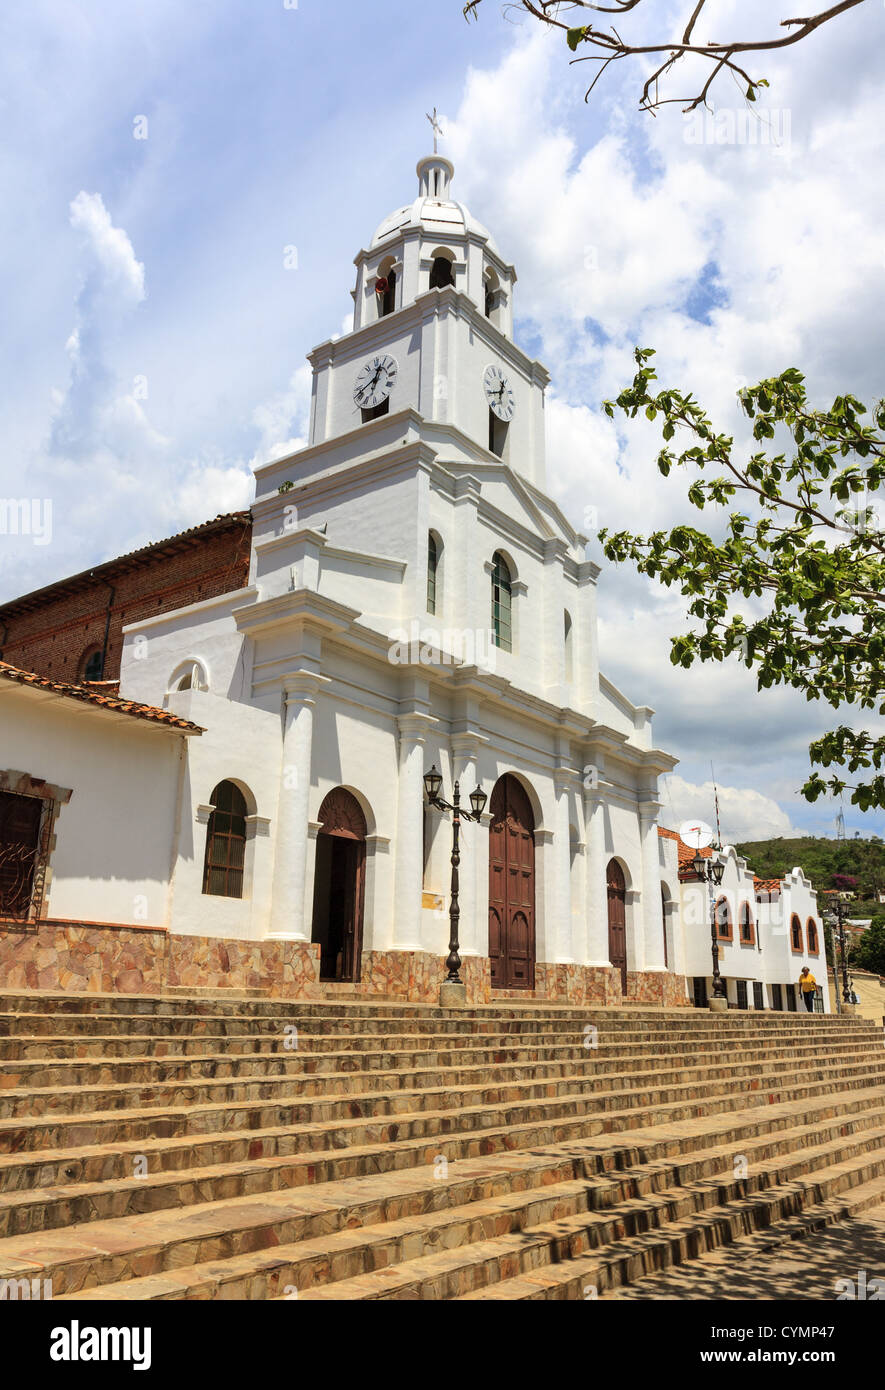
415 599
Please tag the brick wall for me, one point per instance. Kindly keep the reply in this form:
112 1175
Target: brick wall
53 632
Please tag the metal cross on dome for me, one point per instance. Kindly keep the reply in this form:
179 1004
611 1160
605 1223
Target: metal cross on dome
437 129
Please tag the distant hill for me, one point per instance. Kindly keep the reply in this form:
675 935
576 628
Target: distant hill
820 859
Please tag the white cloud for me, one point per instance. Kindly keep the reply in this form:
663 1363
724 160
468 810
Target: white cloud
110 246
275 418
744 814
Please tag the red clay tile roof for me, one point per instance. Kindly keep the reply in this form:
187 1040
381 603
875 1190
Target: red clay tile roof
767 885
685 853
113 703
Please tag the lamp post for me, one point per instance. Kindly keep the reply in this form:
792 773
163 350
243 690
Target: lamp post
710 871
834 916
432 785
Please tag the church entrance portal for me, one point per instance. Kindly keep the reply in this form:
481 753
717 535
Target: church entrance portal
339 886
511 887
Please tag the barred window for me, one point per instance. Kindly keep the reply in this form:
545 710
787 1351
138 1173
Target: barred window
20 818
746 925
796 933
225 843
502 603
811 930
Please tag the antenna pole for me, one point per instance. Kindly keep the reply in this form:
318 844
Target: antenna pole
716 805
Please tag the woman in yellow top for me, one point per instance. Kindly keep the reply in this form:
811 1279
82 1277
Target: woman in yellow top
807 984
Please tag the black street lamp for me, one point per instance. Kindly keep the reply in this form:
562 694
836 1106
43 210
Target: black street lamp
432 784
834 916
710 870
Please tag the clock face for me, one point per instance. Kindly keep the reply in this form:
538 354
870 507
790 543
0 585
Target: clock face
375 381
499 393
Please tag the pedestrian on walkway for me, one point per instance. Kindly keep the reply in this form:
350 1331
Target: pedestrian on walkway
808 985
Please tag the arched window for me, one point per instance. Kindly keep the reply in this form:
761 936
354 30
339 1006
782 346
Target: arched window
723 920
432 567
92 665
811 934
225 843
796 934
441 273
502 603
491 300
388 298
191 675
748 936
569 658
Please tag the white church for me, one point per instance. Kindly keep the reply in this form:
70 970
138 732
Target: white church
250 811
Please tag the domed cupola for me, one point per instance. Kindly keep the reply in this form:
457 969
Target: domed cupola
431 244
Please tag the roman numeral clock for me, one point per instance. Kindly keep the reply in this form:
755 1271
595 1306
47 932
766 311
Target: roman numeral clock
375 381
499 393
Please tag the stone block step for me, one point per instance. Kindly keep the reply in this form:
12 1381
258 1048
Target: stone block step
53 1187
592 1277
377 1023
398 1070
326 1243
408 1051
356 1119
676 1224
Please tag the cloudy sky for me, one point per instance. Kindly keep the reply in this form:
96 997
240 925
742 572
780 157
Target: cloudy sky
159 162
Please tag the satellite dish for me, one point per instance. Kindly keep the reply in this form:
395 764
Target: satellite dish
697 834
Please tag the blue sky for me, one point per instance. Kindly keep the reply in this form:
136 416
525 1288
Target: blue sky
155 339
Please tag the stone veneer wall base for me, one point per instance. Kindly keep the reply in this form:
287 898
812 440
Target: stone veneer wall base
91 958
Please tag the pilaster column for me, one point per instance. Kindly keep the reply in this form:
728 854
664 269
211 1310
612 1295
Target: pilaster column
474 848
597 890
653 930
563 779
409 848
290 919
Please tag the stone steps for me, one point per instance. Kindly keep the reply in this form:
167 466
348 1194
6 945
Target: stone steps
177 1146
361 1117
625 1201
679 1222
399 1071
111 1047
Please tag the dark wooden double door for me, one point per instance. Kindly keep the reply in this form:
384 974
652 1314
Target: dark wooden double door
339 887
511 887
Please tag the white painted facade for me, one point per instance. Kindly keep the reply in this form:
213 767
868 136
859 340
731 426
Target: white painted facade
319 673
766 955
114 851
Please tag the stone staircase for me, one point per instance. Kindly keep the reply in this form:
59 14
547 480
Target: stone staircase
201 1146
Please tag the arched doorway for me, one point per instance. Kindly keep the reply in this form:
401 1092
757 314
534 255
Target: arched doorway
339 886
617 919
511 887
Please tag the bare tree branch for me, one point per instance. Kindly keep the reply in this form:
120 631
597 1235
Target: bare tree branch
609 45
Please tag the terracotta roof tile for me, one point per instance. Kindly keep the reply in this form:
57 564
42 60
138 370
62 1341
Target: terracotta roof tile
767 885
111 702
